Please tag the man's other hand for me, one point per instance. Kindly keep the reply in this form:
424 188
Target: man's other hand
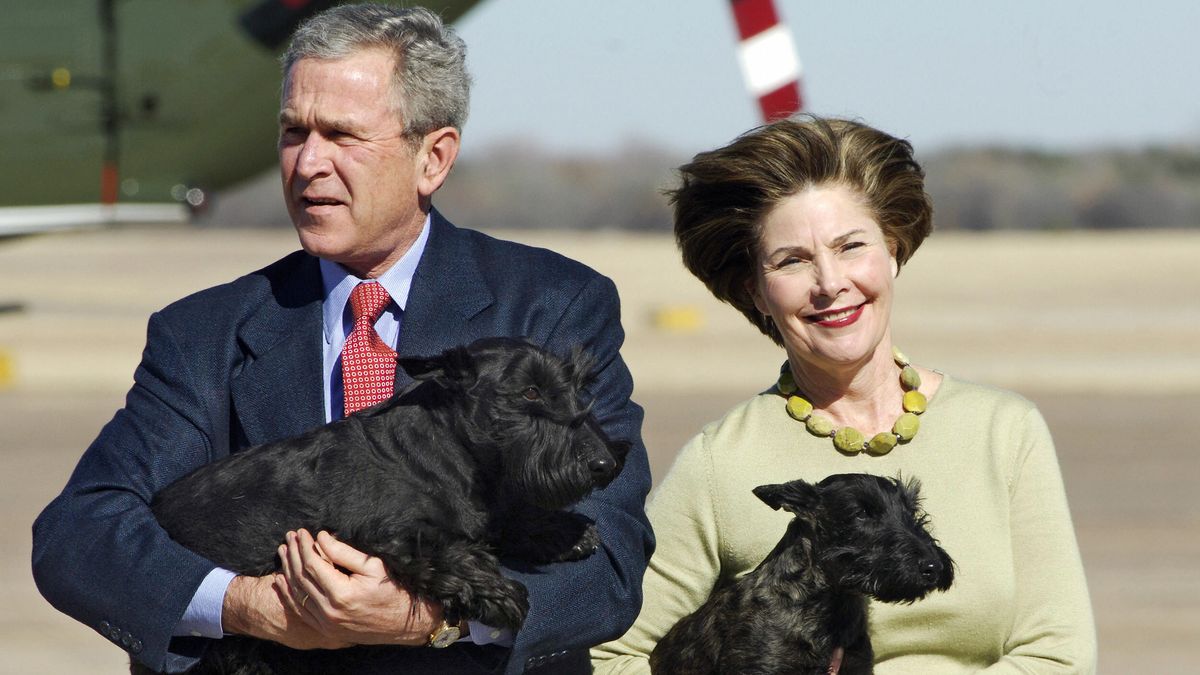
257 607
347 596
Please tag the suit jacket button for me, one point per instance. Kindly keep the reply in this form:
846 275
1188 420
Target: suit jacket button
136 647
126 639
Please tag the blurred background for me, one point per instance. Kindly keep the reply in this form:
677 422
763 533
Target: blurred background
1061 142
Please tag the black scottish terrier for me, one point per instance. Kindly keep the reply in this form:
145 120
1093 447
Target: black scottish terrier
481 456
854 536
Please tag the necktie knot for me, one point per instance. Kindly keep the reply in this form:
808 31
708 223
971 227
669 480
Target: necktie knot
367 302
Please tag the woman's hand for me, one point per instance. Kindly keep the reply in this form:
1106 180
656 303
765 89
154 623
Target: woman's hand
356 604
835 661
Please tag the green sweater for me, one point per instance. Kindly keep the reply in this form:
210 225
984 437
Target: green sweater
990 483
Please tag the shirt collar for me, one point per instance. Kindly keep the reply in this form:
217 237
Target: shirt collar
397 281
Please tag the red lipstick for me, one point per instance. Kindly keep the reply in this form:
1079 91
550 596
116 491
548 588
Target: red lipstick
838 318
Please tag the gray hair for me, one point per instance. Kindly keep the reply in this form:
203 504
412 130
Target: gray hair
432 86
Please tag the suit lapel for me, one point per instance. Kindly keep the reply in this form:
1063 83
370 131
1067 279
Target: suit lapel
447 291
279 392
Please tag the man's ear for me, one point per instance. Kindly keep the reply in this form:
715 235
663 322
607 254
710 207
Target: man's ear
439 149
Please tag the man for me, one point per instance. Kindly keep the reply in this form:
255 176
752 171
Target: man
373 103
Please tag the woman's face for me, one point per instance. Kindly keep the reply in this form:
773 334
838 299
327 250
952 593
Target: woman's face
825 276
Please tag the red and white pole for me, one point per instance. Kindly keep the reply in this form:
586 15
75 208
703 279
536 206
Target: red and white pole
767 55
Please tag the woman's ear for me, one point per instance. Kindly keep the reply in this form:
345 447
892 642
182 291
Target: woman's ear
752 291
895 267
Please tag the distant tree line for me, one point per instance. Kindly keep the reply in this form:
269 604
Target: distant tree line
517 185
520 185
1007 189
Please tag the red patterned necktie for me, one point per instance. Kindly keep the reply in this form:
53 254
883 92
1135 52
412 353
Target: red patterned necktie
368 365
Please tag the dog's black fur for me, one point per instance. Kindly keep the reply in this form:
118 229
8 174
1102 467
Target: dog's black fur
480 457
854 536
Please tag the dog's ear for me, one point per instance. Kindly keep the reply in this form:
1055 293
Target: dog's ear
797 496
910 491
422 367
581 367
453 364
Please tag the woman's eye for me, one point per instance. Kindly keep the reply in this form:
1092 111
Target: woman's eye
531 394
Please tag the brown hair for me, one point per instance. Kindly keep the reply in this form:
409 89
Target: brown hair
725 194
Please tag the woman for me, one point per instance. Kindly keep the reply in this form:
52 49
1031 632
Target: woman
803 225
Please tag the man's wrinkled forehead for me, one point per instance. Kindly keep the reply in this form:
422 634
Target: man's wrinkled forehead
392 81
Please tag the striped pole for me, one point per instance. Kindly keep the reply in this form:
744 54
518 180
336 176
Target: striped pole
767 55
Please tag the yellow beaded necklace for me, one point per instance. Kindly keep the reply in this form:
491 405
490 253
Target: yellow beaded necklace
848 440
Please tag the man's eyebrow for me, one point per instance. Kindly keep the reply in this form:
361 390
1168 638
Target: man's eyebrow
345 124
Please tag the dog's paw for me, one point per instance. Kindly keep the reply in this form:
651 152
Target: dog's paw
506 607
550 536
588 544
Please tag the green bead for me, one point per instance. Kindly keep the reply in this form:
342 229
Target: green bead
899 357
786 383
914 402
799 408
881 443
848 440
906 426
910 378
818 425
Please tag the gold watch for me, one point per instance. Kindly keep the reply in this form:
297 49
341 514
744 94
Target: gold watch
445 635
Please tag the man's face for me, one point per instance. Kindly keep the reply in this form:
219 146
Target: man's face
349 174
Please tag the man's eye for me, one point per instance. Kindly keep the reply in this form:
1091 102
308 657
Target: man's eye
531 394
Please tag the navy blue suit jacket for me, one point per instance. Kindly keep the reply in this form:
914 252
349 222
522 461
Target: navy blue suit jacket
240 364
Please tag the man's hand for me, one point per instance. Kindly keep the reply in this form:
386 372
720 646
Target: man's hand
360 605
254 606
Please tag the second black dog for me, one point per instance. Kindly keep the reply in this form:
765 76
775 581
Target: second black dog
854 536
482 456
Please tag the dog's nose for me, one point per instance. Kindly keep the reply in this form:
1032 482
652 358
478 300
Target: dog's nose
601 468
930 569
